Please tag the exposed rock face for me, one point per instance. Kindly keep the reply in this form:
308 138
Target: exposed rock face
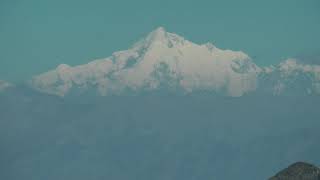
298 171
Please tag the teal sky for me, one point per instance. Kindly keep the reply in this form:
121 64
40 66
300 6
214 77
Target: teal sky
37 35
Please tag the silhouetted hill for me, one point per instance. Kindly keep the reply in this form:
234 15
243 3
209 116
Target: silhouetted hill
298 171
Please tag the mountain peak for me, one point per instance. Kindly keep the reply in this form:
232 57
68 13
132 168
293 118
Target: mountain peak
160 36
157 34
159 30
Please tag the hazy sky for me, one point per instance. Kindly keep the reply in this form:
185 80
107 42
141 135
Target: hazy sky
37 35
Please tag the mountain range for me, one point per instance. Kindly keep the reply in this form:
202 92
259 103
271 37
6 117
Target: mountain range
166 61
171 109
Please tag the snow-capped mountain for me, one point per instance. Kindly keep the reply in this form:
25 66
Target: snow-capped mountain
161 60
164 60
4 85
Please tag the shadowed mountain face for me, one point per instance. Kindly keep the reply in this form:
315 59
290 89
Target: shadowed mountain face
298 171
